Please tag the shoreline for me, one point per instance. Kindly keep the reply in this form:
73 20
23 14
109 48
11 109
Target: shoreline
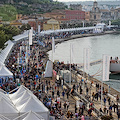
85 35
113 91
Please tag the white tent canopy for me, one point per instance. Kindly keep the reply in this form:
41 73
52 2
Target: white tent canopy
33 116
34 105
24 100
3 117
30 116
24 95
2 95
20 102
4 72
4 53
21 36
8 109
18 93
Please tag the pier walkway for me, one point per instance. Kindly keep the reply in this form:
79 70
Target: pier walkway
91 63
91 85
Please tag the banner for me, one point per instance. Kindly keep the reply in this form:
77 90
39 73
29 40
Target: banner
106 65
86 59
32 29
53 45
18 59
38 28
26 56
30 37
49 68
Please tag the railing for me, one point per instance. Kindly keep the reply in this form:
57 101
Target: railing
99 114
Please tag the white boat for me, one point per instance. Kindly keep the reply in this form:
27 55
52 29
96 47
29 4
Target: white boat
114 66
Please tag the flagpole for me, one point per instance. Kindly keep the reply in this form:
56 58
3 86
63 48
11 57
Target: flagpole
26 57
102 83
53 49
105 73
70 66
84 63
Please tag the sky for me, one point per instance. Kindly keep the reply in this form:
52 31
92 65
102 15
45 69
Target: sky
73 0
80 0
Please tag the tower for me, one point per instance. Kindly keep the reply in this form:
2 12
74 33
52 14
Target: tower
95 14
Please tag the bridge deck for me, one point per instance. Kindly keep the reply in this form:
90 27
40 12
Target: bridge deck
91 63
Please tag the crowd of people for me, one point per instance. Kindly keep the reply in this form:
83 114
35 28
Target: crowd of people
53 95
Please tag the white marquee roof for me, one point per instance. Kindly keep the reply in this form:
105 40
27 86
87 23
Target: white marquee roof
6 107
33 116
30 116
5 72
34 105
21 36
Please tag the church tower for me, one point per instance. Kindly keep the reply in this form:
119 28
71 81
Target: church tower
95 14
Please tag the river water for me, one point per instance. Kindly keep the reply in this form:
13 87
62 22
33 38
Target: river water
106 44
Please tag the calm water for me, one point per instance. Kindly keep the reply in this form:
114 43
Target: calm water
99 45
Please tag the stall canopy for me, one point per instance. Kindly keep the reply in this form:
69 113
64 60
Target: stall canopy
8 109
30 116
21 36
18 93
24 101
3 117
33 116
4 72
4 53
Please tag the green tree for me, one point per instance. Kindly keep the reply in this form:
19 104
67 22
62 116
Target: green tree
116 22
25 27
6 33
2 38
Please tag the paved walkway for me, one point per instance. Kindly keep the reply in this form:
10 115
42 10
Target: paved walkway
71 101
97 104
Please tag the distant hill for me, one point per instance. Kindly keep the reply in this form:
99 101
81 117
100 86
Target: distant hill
8 12
34 6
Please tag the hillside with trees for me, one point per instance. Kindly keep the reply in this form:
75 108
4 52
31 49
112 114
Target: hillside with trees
26 7
6 33
8 12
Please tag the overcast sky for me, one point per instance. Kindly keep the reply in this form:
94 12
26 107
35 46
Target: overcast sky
73 0
81 0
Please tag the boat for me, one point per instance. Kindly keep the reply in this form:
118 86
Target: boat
114 66
114 69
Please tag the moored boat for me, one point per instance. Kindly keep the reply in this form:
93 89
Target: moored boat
114 66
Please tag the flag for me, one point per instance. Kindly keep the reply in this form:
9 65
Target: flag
38 28
30 37
105 70
86 59
32 29
53 45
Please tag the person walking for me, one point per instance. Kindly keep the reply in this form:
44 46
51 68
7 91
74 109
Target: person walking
52 93
63 94
87 91
67 104
104 101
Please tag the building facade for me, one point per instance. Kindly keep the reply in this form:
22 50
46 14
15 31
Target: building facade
51 24
87 16
74 15
95 14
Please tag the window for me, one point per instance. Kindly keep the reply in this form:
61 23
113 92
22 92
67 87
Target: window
95 17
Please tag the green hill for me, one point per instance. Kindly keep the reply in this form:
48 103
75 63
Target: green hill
8 13
26 7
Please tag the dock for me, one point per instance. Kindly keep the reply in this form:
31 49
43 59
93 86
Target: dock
91 63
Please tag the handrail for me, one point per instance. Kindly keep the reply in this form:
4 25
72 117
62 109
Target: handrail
99 114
